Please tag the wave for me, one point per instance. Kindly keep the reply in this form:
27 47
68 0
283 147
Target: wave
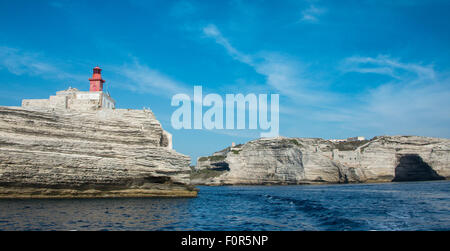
325 218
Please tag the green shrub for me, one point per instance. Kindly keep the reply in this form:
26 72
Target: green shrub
213 158
216 158
349 145
295 142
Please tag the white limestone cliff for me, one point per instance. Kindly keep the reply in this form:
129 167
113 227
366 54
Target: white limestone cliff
61 153
314 161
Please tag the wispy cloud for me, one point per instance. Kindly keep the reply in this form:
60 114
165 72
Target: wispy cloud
133 76
212 31
312 14
284 74
385 65
20 62
141 78
412 102
290 78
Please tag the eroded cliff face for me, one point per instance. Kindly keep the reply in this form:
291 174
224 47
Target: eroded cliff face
312 161
103 153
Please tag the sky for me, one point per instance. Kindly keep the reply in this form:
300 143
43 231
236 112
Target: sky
341 68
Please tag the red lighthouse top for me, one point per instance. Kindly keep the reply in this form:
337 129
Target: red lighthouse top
96 80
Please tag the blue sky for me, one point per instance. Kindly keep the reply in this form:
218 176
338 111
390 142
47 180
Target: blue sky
342 68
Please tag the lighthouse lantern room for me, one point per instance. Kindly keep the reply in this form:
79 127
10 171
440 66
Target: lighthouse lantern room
96 81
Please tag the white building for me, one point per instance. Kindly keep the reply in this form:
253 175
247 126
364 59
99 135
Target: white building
74 99
358 138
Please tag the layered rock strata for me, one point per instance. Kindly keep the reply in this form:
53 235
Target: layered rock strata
100 153
314 161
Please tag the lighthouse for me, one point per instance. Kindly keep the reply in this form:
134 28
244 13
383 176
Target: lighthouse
73 99
96 81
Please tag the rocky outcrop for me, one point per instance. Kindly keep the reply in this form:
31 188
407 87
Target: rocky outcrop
103 153
312 161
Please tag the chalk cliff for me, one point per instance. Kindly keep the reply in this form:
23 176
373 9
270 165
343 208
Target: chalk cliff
313 161
51 153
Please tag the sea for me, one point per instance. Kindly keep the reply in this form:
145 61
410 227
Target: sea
350 207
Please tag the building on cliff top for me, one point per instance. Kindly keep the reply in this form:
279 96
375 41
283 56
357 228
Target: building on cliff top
351 139
94 99
72 98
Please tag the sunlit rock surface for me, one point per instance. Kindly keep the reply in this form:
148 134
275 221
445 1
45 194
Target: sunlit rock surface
102 153
314 161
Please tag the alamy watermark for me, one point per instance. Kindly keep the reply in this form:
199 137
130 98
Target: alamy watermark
213 118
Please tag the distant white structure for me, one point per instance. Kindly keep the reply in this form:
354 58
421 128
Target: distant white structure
359 138
338 140
351 139
72 98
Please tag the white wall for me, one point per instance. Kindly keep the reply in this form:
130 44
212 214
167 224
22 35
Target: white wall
107 103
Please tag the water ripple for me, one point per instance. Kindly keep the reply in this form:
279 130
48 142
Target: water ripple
392 206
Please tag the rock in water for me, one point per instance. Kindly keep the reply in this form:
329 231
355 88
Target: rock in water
103 153
312 161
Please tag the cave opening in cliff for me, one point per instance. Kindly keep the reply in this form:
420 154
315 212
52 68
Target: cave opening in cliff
411 167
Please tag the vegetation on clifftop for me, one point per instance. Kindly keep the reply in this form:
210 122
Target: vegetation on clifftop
349 145
213 158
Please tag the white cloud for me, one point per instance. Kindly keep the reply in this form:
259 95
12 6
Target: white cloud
312 14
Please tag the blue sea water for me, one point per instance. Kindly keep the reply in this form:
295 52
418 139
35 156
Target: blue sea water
390 206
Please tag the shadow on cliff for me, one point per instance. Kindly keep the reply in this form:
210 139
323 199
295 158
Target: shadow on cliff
411 167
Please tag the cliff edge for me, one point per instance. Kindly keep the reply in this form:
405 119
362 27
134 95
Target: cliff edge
52 153
315 161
